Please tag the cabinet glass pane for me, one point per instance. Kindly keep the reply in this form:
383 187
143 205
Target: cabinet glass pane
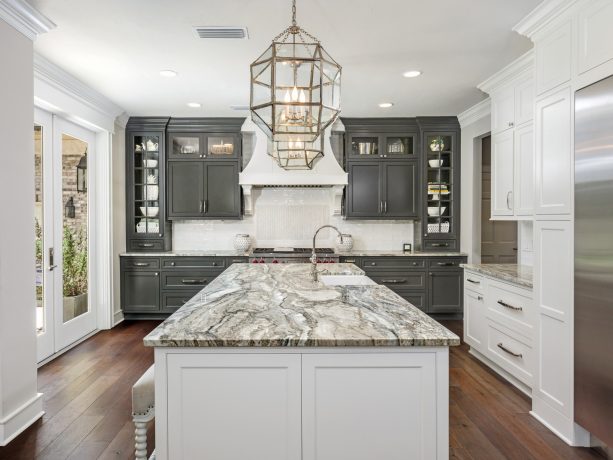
146 184
439 170
185 145
399 146
365 146
220 146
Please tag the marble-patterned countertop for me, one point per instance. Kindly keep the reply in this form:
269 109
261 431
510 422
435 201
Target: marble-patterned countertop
512 273
381 253
189 253
278 305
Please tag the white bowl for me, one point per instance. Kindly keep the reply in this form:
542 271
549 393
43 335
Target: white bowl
150 163
436 211
435 163
151 211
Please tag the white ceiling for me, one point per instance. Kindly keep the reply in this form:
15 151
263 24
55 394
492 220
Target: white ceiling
118 47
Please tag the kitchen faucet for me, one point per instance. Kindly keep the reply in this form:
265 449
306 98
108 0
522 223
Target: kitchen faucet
314 255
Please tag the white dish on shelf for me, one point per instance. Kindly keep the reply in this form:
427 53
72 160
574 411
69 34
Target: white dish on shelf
436 211
152 192
150 163
435 163
151 211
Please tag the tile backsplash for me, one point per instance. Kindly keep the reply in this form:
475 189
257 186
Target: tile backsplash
289 217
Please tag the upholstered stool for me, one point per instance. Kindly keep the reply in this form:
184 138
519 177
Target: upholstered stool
143 411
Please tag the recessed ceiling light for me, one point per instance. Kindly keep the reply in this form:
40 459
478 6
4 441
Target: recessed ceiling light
194 105
412 74
386 105
168 73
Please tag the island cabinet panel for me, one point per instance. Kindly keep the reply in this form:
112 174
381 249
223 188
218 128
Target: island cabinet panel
213 414
369 406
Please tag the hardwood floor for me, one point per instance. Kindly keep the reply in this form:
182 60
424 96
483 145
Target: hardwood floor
87 399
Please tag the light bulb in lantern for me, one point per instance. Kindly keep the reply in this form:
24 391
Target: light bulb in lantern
302 99
294 94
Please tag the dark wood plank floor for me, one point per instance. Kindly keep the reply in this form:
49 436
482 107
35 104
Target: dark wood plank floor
87 403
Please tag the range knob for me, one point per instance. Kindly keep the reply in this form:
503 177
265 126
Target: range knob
255 261
275 261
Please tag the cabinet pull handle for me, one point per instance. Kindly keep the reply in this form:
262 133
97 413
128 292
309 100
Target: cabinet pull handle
440 245
201 206
184 301
510 307
380 207
473 281
204 205
445 264
385 206
236 260
373 264
508 198
190 281
349 261
506 350
141 264
400 281
145 245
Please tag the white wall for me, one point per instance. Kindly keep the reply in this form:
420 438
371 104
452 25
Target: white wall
288 217
118 201
17 296
470 224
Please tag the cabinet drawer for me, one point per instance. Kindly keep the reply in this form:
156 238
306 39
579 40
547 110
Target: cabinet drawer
401 280
193 262
440 245
508 306
474 282
186 280
172 301
511 352
384 263
443 264
143 263
146 245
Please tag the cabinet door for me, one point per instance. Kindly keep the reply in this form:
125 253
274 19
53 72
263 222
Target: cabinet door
475 320
140 291
554 154
595 34
222 192
185 146
363 146
524 102
524 171
222 146
502 174
503 109
553 57
400 189
364 190
185 189
445 291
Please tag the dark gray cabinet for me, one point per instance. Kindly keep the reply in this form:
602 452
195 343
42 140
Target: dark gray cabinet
400 188
363 199
221 190
140 291
185 189
432 284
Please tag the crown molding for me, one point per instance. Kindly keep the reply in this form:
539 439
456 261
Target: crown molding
508 73
122 119
545 13
25 18
61 80
476 112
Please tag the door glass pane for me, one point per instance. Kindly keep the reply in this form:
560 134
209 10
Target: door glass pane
399 145
146 186
220 146
185 145
365 146
38 228
74 242
439 169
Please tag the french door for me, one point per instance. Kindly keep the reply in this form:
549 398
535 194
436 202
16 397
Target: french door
64 311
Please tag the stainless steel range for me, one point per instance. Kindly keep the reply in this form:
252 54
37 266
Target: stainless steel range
291 255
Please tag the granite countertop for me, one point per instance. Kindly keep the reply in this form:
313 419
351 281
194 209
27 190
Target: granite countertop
512 273
381 253
189 253
271 305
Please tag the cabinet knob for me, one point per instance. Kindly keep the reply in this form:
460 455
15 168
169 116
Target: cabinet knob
479 297
160 235
373 263
173 264
156 274
511 124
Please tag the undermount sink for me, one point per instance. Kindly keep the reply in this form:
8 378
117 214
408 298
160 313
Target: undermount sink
346 280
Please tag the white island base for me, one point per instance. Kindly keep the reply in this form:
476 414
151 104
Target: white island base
300 403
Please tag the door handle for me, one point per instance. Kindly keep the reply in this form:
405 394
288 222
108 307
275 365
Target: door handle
141 264
506 350
509 193
510 307
51 259
204 206
201 206
385 206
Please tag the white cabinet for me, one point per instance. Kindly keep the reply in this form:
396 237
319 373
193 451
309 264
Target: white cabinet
499 322
554 58
503 110
502 174
554 154
513 104
524 102
523 188
595 37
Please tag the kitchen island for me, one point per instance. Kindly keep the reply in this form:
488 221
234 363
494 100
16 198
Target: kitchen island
265 363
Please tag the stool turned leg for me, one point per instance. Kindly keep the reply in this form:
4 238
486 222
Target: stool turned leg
140 438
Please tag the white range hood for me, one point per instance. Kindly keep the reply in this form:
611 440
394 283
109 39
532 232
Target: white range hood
263 171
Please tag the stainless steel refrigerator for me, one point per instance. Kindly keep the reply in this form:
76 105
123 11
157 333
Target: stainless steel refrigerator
594 259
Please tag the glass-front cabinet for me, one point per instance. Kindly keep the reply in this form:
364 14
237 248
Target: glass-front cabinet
145 181
208 146
365 146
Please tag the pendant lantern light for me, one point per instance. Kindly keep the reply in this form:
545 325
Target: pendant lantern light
295 89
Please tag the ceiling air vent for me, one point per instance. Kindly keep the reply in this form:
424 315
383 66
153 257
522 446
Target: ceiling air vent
221 32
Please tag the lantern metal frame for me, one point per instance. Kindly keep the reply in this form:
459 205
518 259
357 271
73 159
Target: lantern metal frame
82 174
297 155
314 104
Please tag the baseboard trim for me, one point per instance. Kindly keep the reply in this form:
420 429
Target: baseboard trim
118 317
14 424
525 389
